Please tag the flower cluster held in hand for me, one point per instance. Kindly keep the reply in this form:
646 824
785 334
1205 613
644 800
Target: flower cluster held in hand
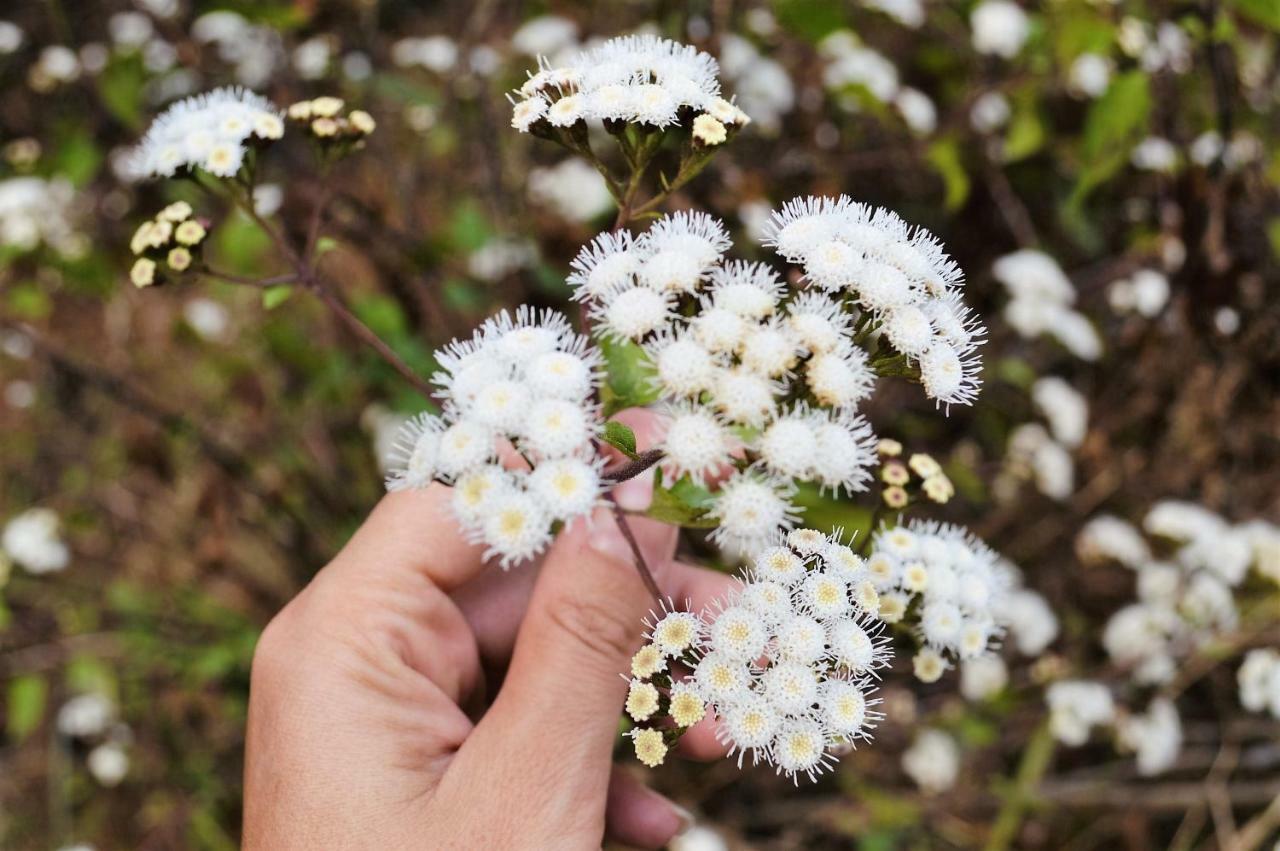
527 382
786 665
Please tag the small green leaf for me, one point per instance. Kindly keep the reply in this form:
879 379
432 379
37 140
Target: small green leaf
1264 12
629 371
1026 131
273 297
945 157
26 701
683 504
1115 122
620 437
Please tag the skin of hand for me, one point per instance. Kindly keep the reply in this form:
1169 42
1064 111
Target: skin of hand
370 723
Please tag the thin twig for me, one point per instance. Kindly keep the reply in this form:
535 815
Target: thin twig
642 566
635 466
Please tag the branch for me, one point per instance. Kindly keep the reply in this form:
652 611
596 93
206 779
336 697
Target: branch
642 566
634 467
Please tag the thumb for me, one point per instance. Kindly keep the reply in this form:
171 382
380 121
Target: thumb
549 735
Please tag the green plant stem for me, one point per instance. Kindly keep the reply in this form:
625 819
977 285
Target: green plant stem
1036 757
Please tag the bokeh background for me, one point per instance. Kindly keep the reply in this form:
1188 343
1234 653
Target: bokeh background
206 448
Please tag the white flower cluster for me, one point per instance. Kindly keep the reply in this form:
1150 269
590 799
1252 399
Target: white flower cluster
31 539
1076 707
572 188
1185 601
528 381
212 131
639 79
1041 296
761 86
901 276
1030 627
958 584
1044 455
932 761
852 66
787 663
729 366
1000 28
1259 680
1145 293
35 211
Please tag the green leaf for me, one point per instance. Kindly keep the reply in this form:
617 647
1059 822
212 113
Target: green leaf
26 701
812 19
621 437
121 87
1115 122
77 157
1026 131
1273 235
629 385
945 157
273 297
1264 12
683 504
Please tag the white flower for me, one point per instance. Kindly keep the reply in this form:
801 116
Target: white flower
989 112
85 716
1000 27
789 445
846 447
1090 74
798 748
738 633
749 290
676 632
1154 153
818 322
1109 537
606 264
1034 275
475 492
566 487
31 539
515 528
1259 681
569 375
1075 707
682 366
695 443
932 761
719 329
555 428
744 397
108 763
909 13
412 461
1031 622
1155 737
633 313
1064 407
1145 293
464 446
209 131
983 677
750 508
572 188
917 110
841 378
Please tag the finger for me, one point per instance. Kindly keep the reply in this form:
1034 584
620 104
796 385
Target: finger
637 815
555 717
414 531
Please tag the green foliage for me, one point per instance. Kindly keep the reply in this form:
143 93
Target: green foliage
681 504
945 156
1265 12
621 437
1115 122
25 704
629 384
811 19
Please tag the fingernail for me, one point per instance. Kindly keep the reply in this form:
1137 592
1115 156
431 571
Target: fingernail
687 820
606 538
636 494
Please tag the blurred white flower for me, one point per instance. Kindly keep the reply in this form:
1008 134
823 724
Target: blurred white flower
989 112
85 716
208 318
917 110
573 188
932 761
108 763
983 677
546 35
1154 153
1156 737
909 13
1076 707
1065 408
31 539
1090 74
1000 27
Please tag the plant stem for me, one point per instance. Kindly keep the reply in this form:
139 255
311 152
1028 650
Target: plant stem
635 466
642 566
1031 769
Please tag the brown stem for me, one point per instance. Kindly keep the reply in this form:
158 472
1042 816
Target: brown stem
642 566
367 335
635 466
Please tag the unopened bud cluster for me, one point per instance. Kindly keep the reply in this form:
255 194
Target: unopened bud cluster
166 247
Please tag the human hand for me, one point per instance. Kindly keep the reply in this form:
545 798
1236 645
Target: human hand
368 721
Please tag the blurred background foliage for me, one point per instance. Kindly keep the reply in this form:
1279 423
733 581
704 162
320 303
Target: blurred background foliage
208 447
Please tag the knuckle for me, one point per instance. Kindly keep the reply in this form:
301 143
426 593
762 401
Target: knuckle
599 629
